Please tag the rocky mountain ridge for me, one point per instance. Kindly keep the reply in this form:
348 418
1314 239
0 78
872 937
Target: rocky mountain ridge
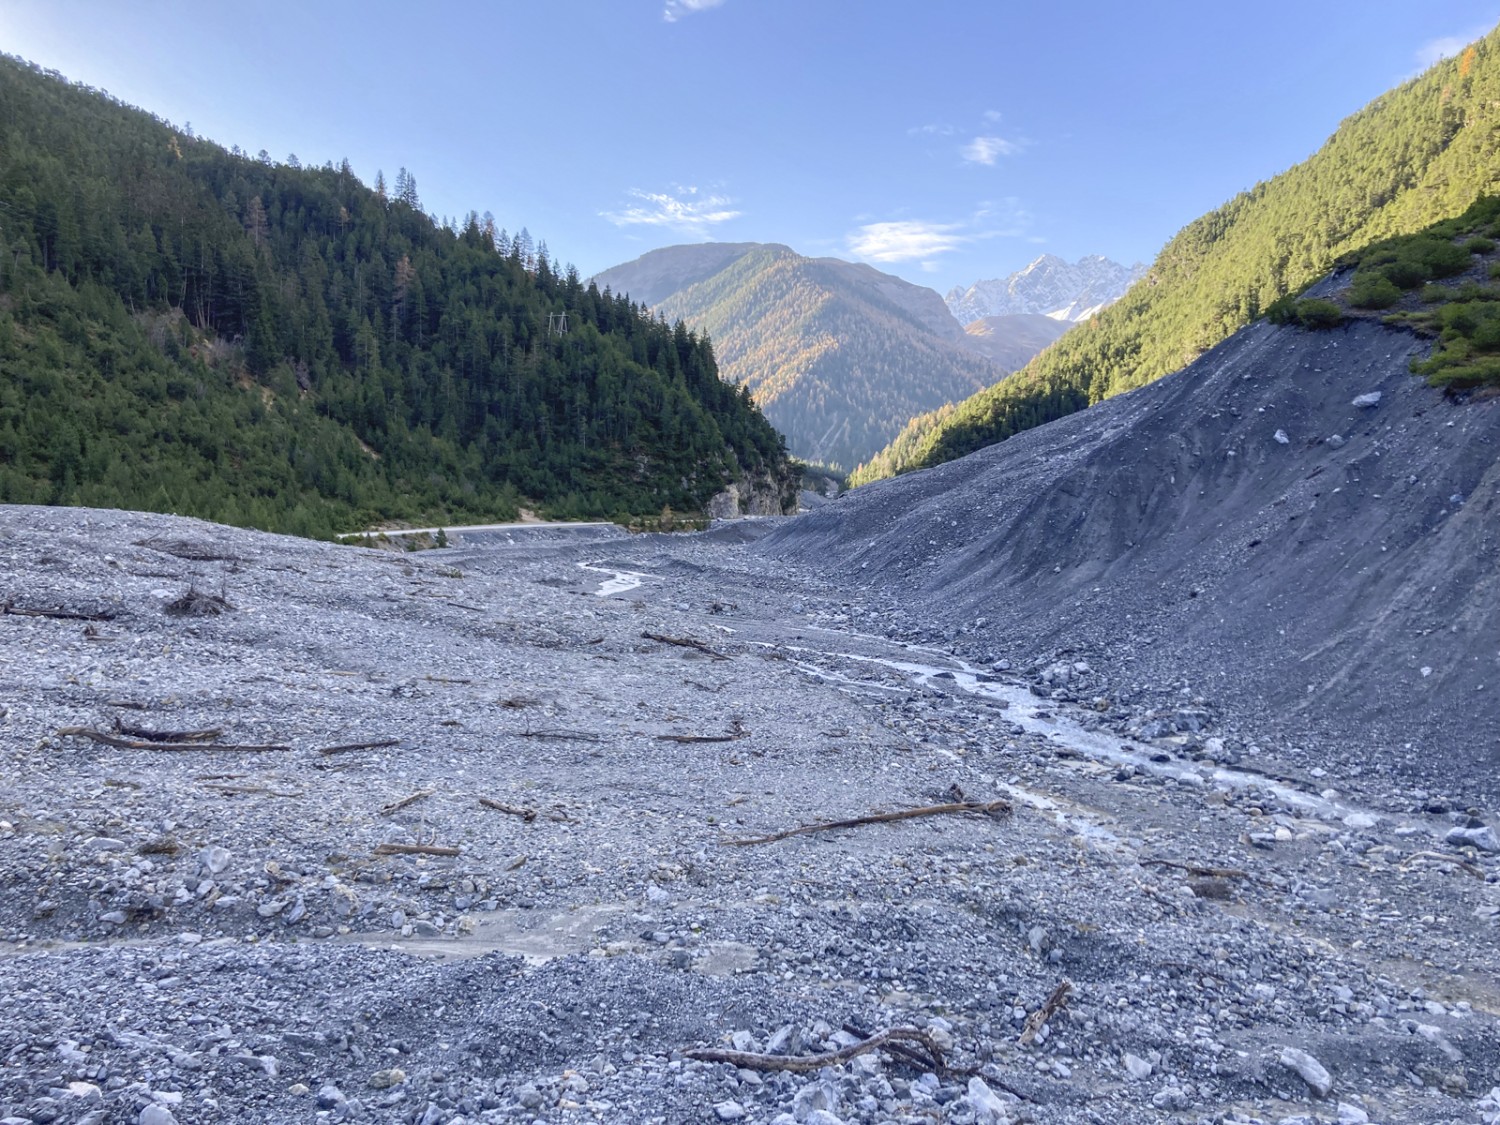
1048 286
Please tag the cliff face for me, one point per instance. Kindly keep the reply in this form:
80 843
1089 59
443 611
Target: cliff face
755 494
1294 527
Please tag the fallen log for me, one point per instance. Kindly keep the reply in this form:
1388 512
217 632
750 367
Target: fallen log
347 746
142 744
563 735
807 1063
60 614
416 849
167 735
993 808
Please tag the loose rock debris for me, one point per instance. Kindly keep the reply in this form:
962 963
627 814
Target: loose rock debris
278 944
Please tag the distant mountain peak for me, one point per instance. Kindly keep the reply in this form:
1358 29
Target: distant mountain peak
1048 285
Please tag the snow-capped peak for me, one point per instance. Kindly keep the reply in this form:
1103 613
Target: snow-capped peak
1050 286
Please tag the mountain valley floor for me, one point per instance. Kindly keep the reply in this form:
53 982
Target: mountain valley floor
298 832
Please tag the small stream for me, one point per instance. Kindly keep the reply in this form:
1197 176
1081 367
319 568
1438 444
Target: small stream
1033 715
619 581
1049 719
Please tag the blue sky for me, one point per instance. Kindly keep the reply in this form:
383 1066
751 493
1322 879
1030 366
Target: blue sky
943 141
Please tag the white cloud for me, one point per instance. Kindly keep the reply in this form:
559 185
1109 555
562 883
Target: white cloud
686 212
992 115
676 9
917 240
1446 46
987 150
905 241
931 131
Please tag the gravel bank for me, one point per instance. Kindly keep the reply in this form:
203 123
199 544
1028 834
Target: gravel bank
195 934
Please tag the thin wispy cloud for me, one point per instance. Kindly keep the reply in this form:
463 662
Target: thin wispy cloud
908 240
931 131
923 241
987 150
1446 46
677 9
992 116
686 212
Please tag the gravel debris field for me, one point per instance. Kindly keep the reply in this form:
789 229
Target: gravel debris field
296 832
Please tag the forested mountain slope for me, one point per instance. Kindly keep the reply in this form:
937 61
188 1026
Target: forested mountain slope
188 329
1420 153
837 354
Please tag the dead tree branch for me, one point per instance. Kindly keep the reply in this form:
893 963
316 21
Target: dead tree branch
347 746
563 735
807 1063
60 614
1462 864
685 642
167 735
416 849
396 806
528 815
1198 869
141 744
993 808
1038 1019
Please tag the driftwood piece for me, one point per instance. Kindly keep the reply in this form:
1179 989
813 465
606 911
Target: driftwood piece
1463 864
416 849
685 642
563 735
128 731
141 744
528 815
250 790
445 680
1198 869
396 806
1038 1019
737 731
347 746
807 1063
60 614
993 808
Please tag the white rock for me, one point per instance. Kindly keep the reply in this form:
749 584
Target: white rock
1138 1067
1351 1114
156 1115
1369 399
988 1109
1311 1070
